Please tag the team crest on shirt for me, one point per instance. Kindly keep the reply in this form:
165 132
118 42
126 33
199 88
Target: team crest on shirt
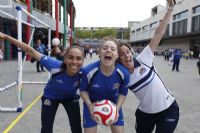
47 102
76 83
116 86
142 70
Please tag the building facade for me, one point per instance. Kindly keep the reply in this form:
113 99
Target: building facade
45 11
182 32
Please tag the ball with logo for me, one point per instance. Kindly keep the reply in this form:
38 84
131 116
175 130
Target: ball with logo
104 112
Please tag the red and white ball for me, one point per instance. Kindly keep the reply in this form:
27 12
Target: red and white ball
104 112
55 42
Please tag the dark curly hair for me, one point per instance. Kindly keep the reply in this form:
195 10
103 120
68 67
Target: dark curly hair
63 66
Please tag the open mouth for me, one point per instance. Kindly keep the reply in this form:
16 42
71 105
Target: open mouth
108 58
74 67
128 61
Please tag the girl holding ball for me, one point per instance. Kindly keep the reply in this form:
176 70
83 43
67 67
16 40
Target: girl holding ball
104 79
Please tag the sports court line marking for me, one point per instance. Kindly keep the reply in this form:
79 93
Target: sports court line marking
22 114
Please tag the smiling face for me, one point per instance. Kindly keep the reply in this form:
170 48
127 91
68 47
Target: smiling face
126 57
108 53
73 60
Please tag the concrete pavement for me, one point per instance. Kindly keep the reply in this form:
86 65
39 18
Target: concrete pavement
185 85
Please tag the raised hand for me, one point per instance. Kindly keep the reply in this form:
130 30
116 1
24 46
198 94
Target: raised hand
171 3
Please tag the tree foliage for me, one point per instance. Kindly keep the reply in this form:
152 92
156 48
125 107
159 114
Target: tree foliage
95 34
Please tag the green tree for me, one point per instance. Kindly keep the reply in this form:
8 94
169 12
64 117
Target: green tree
127 34
98 34
82 34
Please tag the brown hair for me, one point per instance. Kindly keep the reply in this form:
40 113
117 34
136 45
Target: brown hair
63 66
128 45
109 38
53 51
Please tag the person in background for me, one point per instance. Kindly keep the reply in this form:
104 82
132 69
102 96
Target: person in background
40 47
62 86
57 50
176 60
62 49
85 51
171 57
104 79
91 52
198 65
157 106
1 51
191 54
56 53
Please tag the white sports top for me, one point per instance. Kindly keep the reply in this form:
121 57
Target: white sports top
147 86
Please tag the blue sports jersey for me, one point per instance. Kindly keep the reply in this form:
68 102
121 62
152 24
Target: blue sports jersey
101 87
60 85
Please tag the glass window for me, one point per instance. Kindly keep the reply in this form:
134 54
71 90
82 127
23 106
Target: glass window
167 31
181 15
196 23
133 31
145 27
138 30
196 9
179 27
153 25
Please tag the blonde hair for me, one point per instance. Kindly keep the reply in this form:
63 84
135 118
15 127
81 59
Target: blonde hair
109 38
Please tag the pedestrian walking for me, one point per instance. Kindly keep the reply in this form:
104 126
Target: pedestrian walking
157 107
62 86
91 52
176 60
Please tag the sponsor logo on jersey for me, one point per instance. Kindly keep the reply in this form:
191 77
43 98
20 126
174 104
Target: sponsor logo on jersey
47 102
116 86
96 86
59 81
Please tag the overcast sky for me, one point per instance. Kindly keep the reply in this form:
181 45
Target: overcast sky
112 13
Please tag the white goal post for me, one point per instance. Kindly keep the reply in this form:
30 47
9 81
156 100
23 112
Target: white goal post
20 81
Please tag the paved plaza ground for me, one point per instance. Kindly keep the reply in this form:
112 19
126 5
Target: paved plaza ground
185 85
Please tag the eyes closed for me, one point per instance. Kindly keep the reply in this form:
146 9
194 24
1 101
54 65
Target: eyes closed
107 48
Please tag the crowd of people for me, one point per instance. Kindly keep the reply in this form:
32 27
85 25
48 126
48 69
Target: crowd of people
116 71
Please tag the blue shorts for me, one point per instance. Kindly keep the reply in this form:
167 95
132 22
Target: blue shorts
88 122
